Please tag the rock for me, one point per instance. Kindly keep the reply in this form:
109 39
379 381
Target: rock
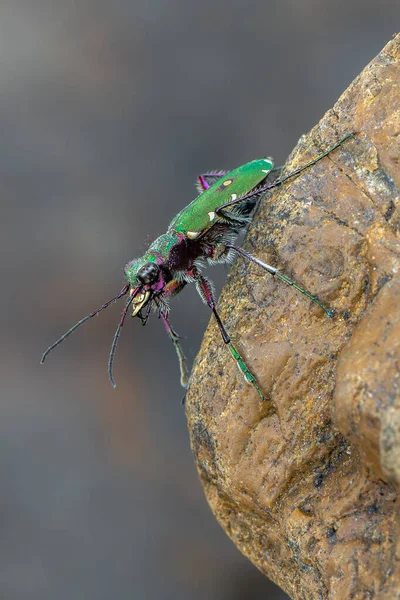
305 483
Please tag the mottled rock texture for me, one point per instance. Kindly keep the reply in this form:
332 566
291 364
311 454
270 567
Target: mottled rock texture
306 483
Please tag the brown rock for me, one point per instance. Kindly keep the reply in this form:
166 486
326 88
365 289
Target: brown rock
306 482
367 393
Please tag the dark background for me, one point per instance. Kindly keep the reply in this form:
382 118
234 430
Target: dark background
108 110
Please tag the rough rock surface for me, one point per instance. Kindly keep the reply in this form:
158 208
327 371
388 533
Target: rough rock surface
306 483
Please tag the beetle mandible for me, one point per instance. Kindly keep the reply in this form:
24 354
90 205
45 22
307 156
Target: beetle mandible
201 234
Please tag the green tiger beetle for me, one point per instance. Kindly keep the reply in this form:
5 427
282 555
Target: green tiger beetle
201 234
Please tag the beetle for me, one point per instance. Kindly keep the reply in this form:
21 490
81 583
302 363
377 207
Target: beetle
201 234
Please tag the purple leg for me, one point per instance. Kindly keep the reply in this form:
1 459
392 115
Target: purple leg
204 289
181 357
202 182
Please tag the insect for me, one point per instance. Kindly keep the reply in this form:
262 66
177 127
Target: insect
201 234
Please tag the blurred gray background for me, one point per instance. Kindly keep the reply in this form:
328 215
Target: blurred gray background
108 110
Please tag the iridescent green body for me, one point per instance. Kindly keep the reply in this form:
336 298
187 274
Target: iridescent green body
160 247
201 234
200 214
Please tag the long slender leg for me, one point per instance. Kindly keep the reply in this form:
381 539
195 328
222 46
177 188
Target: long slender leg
265 188
82 321
181 357
173 288
204 290
281 276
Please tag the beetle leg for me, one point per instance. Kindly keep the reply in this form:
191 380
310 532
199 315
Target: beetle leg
173 287
224 212
237 218
174 337
309 164
203 184
204 289
281 276
230 216
260 190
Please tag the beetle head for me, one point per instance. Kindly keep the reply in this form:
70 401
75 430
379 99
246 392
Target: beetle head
147 275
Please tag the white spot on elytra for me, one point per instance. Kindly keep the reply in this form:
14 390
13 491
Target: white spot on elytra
233 196
193 234
211 214
269 162
265 171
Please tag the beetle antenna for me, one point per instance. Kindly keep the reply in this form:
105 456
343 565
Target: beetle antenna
82 321
117 334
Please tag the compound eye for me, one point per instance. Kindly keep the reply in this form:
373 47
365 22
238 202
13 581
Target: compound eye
148 274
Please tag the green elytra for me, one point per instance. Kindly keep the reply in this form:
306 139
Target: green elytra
200 214
202 233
